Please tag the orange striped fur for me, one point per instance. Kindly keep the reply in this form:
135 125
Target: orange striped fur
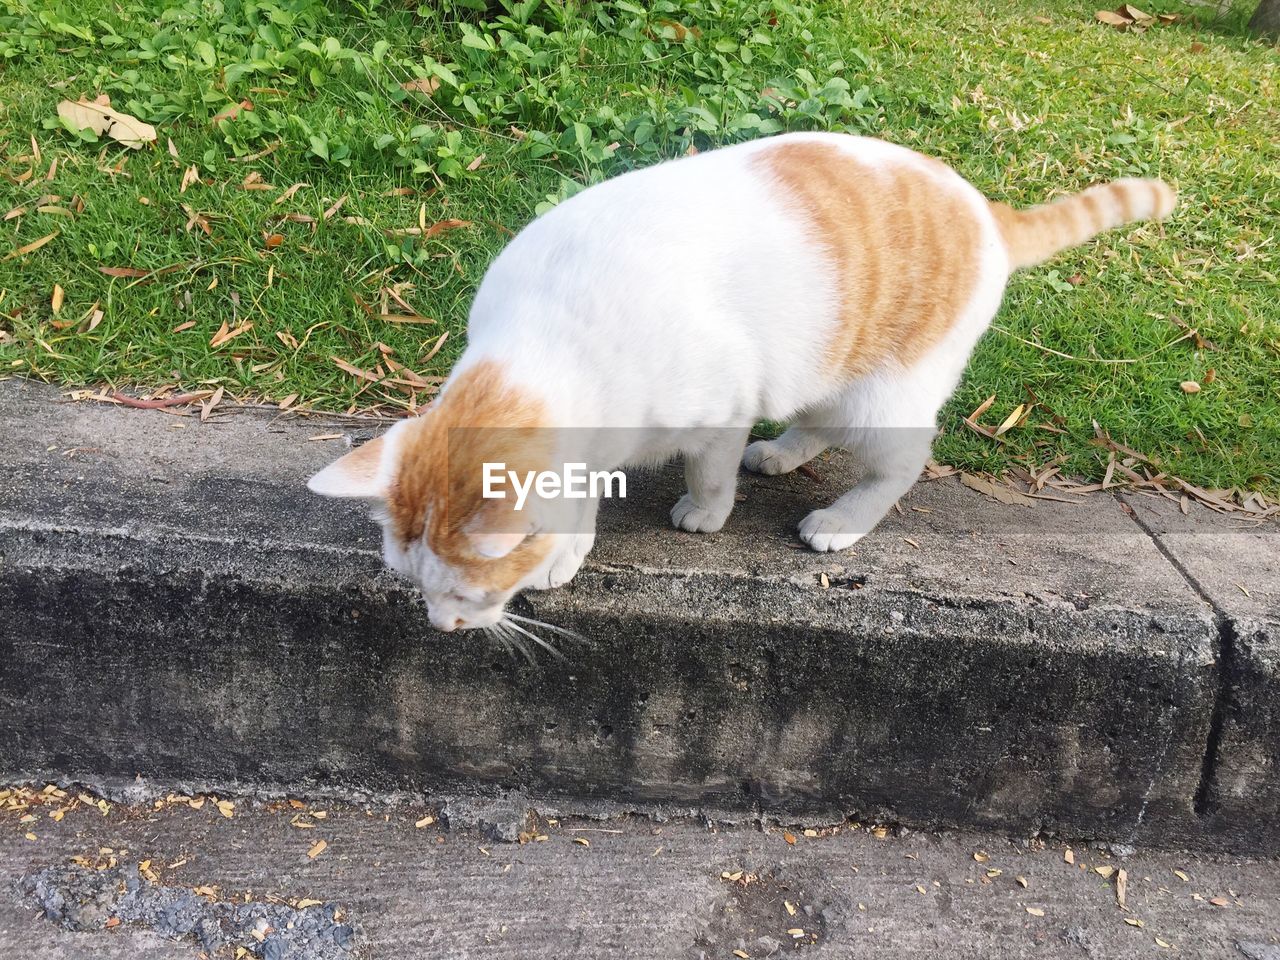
904 246
437 489
905 243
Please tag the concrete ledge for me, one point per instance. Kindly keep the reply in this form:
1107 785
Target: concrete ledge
176 606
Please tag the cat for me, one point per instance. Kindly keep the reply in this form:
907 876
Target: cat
834 282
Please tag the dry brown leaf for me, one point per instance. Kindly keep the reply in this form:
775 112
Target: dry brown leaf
335 208
224 335
55 302
1190 386
789 837
996 491
100 118
1035 911
129 272
308 902
355 371
981 857
582 841
1011 420
1069 855
1113 19
1122 887
189 176
1134 922
475 164
424 85
1133 13
317 848
1220 901
31 247
232 111
288 194
1181 875
183 326
444 225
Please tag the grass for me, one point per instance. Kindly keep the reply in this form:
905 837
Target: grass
528 102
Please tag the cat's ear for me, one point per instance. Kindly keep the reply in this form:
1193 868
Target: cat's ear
358 474
493 535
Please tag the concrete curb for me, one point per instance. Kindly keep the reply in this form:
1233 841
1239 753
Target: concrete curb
177 607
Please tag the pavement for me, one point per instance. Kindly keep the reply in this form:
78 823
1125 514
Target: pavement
181 613
406 886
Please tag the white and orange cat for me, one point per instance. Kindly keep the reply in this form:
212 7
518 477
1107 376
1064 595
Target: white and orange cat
838 283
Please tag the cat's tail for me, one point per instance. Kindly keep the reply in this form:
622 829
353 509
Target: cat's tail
1034 235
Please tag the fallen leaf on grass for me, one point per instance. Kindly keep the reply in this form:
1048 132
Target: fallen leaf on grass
254 181
1190 386
183 326
355 371
232 112
317 849
288 194
100 118
55 302
335 208
444 225
224 334
189 176
31 247
475 164
274 240
424 85
129 272
1011 420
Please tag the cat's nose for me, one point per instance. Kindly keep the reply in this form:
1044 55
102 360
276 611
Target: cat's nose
446 623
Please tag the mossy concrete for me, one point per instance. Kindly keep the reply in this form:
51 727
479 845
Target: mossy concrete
178 607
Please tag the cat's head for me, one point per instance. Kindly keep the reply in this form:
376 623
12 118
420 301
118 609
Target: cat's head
469 554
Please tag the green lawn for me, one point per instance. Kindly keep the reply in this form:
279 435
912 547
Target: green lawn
515 110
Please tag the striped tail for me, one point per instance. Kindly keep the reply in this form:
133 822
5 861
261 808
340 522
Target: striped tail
1033 236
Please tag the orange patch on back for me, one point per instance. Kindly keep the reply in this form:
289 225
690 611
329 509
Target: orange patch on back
905 246
439 482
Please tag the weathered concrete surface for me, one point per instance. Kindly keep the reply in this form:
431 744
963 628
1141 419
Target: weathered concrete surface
1236 566
176 606
645 891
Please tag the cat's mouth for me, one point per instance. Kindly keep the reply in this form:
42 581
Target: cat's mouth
514 633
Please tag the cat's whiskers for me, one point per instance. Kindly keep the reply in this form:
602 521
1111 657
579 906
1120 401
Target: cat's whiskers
562 631
534 637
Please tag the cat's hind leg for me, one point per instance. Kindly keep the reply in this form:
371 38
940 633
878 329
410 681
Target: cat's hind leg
797 446
711 473
888 425
893 458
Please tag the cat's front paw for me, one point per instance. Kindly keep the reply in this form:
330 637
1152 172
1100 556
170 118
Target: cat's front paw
687 515
565 564
827 530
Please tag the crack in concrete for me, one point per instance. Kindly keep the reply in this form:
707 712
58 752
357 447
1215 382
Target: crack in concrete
1224 655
